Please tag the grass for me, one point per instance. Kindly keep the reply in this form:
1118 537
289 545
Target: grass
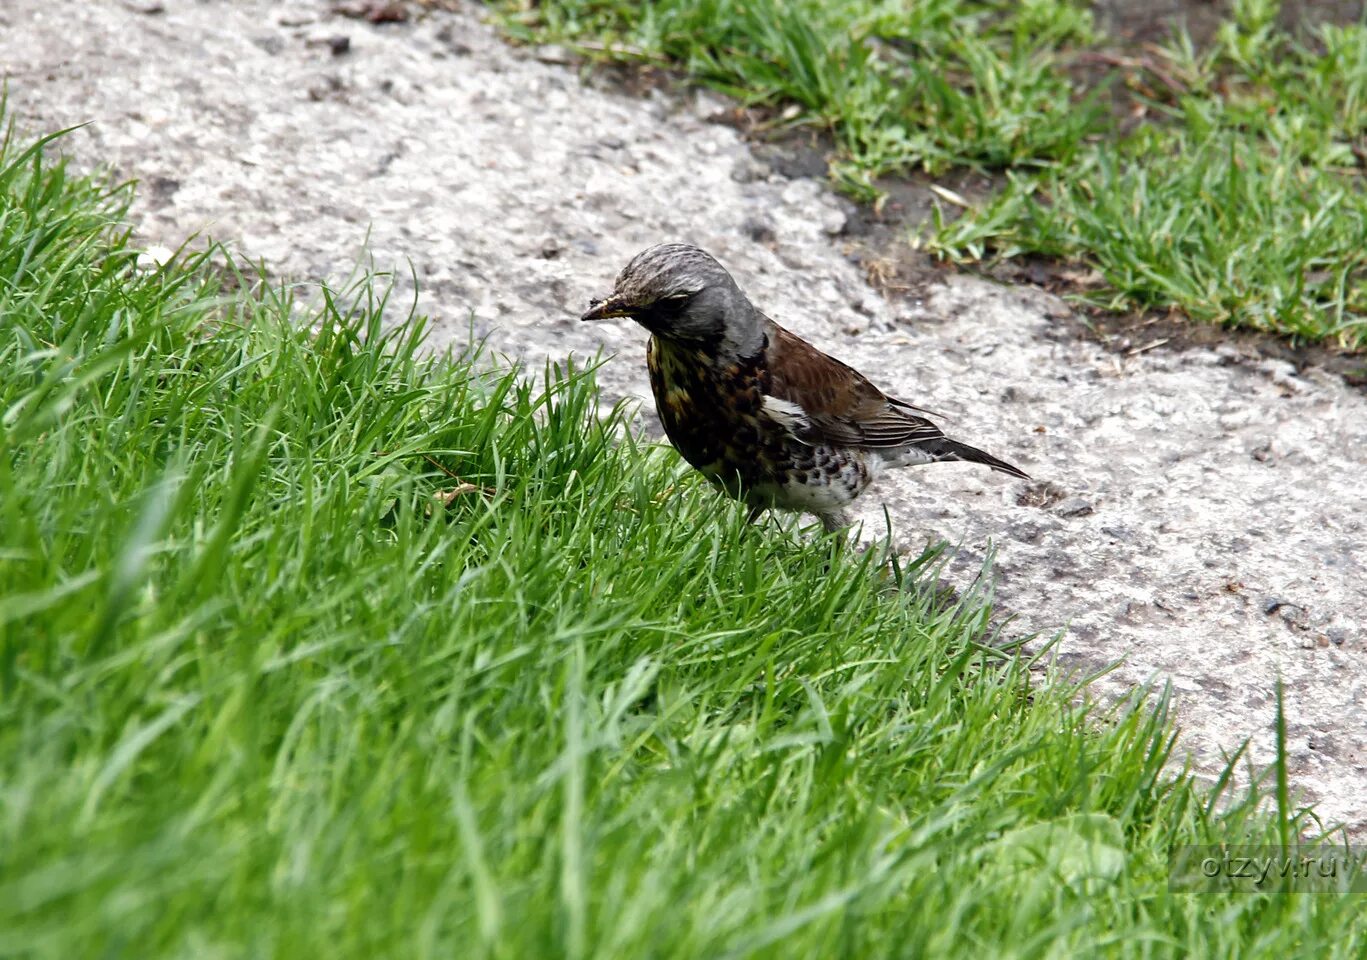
900 85
263 693
1231 190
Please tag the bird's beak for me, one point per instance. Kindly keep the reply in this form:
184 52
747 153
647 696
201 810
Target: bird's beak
613 306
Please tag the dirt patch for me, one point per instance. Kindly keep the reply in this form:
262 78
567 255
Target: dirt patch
1133 333
1136 22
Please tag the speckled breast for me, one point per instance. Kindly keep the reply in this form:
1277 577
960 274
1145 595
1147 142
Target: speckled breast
711 414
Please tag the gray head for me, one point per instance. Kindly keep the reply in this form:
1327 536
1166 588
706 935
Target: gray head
681 293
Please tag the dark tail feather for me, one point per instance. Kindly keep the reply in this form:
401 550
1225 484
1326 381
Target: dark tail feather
948 449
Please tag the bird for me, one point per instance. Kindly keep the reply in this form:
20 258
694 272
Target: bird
767 417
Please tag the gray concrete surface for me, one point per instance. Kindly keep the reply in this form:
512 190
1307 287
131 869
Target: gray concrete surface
1199 514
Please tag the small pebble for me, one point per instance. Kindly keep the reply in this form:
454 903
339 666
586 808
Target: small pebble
758 229
1074 507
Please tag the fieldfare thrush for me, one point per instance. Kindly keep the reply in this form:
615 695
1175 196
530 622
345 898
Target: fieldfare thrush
759 411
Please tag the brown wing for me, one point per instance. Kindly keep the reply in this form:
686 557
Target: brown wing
838 403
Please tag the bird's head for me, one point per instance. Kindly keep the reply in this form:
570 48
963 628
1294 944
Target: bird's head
680 293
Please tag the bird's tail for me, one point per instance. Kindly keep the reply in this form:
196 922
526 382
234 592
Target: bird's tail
947 449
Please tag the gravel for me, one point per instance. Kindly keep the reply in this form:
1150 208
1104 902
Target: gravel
1199 514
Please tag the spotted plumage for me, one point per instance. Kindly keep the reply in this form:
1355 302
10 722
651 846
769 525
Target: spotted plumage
760 412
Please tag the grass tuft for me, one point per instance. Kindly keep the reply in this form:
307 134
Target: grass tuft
901 86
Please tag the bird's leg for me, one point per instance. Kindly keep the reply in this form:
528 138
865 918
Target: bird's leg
835 520
755 514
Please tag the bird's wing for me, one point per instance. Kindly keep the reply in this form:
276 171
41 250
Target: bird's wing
818 399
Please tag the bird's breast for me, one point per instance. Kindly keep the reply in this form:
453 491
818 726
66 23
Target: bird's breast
709 410
713 414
